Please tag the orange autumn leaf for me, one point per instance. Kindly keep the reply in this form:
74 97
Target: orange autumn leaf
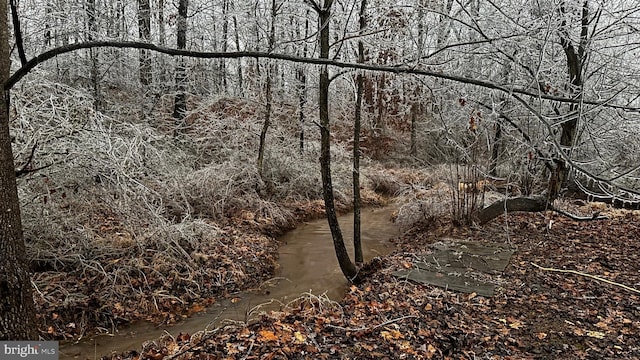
266 336
196 308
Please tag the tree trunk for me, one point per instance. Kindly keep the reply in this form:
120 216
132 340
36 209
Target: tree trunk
268 92
162 29
225 44
144 33
237 38
348 268
266 124
93 53
495 151
575 63
413 147
161 68
357 200
302 84
302 100
180 105
17 314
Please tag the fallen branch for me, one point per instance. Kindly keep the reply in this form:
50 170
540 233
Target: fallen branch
589 276
595 216
528 204
365 328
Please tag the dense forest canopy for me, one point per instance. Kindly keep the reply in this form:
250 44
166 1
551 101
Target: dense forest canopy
580 50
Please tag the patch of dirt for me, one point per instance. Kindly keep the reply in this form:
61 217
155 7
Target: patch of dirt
536 313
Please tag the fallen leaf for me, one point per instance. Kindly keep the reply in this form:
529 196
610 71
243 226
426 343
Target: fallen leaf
266 336
595 334
541 335
299 338
391 334
431 350
244 332
516 324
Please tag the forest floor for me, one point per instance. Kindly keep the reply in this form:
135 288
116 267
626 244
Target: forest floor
562 296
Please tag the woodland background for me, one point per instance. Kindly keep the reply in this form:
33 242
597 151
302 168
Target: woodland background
127 158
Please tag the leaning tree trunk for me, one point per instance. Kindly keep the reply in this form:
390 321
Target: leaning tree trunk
348 268
17 315
357 200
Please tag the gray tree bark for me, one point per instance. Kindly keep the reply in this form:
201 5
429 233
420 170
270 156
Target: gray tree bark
17 314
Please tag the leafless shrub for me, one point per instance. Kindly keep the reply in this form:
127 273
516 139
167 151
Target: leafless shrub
425 205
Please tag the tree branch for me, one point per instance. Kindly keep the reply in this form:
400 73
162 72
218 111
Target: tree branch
23 170
598 278
400 69
17 32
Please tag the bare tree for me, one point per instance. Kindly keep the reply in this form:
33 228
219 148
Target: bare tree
346 265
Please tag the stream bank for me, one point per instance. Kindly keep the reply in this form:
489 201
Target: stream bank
536 313
307 264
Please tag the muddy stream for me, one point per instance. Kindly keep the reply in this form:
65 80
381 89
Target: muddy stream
307 264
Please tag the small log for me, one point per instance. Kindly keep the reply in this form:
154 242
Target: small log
528 204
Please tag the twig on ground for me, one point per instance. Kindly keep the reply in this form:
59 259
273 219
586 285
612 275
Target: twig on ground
595 216
374 327
589 276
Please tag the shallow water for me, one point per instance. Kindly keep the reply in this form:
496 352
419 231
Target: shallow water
307 264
